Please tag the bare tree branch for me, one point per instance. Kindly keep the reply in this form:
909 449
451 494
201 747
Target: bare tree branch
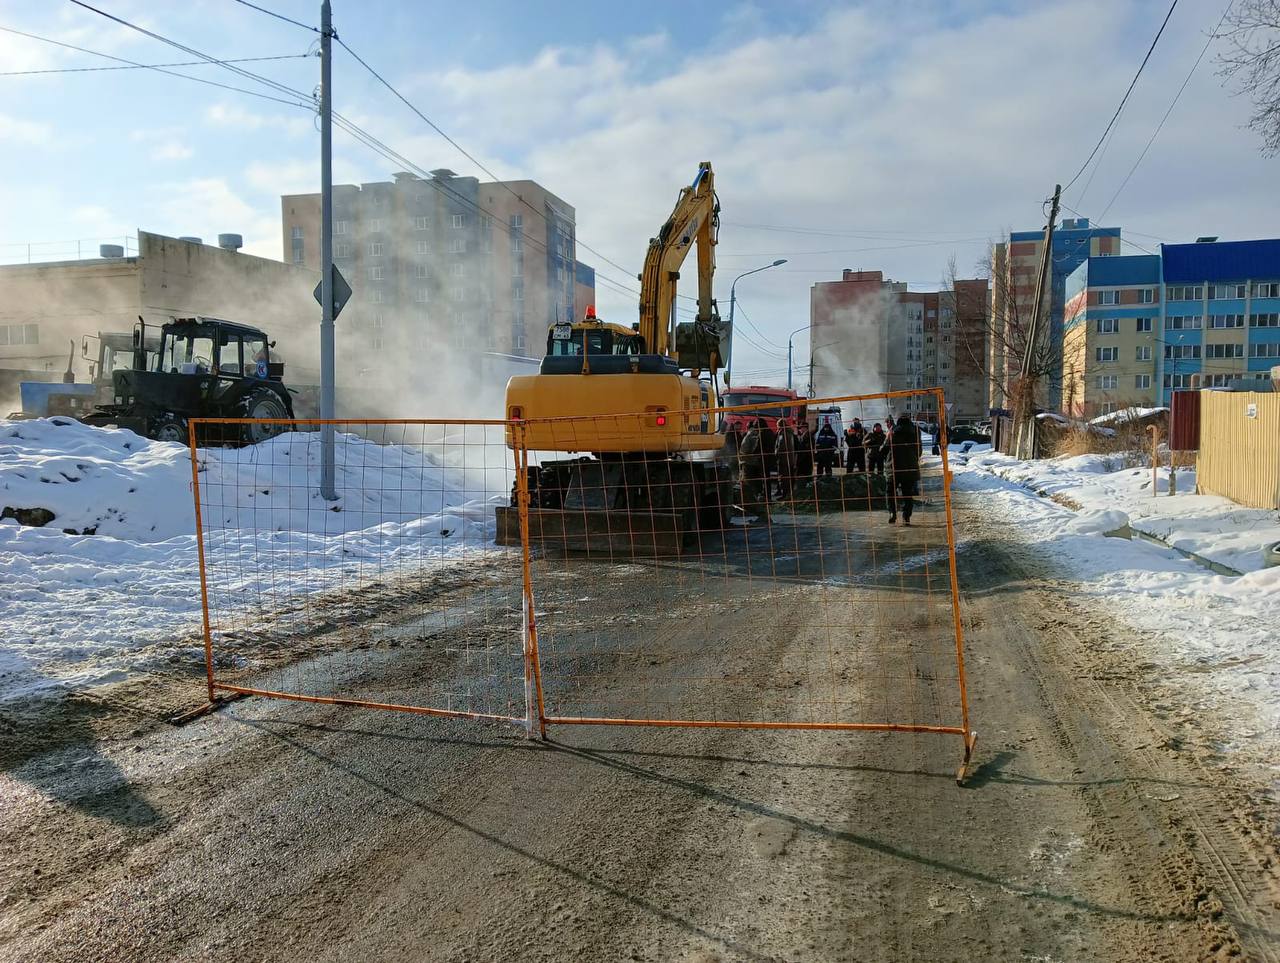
1252 60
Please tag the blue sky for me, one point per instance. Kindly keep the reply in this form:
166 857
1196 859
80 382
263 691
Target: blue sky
874 135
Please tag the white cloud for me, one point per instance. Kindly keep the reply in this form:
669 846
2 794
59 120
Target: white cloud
172 150
241 119
18 131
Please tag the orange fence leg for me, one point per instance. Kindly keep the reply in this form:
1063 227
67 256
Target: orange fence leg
532 670
970 737
204 585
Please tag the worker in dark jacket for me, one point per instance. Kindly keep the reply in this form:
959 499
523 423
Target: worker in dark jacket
804 452
751 468
785 454
903 450
768 446
855 437
826 448
875 449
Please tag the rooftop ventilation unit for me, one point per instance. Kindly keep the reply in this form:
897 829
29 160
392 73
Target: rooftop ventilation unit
230 242
110 250
1207 239
191 240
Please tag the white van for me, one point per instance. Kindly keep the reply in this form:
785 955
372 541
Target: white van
828 415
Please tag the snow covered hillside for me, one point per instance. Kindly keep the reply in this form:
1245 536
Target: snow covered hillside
83 609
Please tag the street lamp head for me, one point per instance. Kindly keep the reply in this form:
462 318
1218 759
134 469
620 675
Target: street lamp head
781 260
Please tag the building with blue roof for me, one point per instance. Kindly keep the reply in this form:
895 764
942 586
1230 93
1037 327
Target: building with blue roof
1139 328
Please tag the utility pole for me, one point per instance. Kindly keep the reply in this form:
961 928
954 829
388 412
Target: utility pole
327 473
1025 433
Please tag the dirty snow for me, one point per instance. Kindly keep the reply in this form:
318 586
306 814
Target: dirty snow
1211 635
87 609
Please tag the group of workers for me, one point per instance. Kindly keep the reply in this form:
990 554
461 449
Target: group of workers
792 452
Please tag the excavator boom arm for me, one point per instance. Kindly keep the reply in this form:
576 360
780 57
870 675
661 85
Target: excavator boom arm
693 222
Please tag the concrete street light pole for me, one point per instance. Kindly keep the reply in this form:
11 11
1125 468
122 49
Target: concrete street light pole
728 361
327 473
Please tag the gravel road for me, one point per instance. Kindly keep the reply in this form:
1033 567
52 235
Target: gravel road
1089 831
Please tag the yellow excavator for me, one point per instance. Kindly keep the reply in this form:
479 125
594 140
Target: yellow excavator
635 408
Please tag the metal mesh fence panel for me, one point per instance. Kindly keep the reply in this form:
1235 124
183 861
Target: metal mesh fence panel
390 593
758 584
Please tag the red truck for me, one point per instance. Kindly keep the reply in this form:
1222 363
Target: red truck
789 406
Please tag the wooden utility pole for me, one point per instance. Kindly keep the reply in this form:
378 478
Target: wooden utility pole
1025 430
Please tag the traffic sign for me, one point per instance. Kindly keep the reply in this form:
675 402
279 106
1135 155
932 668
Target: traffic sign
341 292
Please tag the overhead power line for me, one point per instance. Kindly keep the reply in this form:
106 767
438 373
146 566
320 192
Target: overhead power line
178 63
304 102
1123 100
1176 97
278 16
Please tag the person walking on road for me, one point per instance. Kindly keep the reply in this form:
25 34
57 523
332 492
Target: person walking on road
875 449
804 452
855 437
785 455
826 448
903 449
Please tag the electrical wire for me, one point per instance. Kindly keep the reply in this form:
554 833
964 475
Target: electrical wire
751 324
860 235
179 63
1123 100
1176 97
305 101
278 16
465 153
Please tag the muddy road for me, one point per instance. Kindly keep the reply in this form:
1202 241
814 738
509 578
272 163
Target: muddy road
276 830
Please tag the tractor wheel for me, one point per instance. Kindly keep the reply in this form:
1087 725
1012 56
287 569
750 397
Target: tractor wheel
262 403
170 427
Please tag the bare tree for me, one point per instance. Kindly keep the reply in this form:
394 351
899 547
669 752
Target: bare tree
1251 29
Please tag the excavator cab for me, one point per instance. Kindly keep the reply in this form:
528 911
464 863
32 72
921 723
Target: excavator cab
592 336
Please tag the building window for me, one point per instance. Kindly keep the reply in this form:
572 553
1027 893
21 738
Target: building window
1143 324
342 250
298 256
1108 325
459 220
19 334
421 247
459 293
1271 320
421 223
1146 296
421 295
375 296
378 319
517 337
1226 320
1106 354
1142 382
377 272
516 221
1226 290
297 234
1109 406
1183 322
517 290
1177 381
1180 351
1108 297
457 245
1266 289
1224 351
376 344
420 271
1105 382
1143 353
517 266
341 227
1186 292
375 249
458 270
1264 351
375 225
517 244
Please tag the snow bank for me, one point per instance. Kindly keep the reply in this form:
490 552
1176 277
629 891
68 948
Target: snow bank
84 609
1210 526
1212 634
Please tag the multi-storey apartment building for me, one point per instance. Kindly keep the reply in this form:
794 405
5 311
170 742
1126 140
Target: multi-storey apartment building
1014 266
870 334
1140 327
442 261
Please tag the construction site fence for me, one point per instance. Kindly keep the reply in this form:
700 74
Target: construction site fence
628 569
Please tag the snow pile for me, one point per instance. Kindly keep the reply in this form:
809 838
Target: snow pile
84 609
1127 414
1212 635
1209 526
1099 523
